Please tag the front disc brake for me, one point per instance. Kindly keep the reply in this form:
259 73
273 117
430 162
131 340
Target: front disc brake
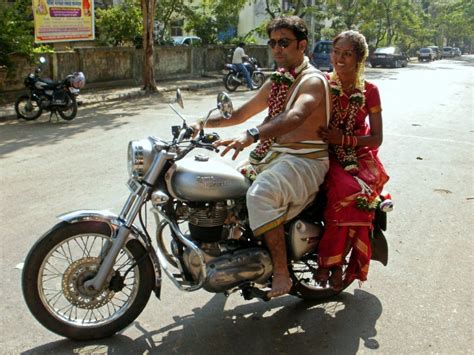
73 284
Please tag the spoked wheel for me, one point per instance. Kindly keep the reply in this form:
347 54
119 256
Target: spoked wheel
57 268
70 111
27 108
230 82
258 79
304 285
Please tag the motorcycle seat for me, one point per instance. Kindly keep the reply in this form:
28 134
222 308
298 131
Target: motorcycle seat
50 84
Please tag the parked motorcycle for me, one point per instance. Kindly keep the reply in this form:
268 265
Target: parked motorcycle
92 274
234 78
58 97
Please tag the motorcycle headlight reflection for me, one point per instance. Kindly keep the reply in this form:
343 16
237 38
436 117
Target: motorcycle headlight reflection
140 156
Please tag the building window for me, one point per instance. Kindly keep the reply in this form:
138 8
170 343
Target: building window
177 28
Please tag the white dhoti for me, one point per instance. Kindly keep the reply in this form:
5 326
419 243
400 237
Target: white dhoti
283 189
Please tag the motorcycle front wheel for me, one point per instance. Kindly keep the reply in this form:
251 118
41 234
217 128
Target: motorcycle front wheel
57 267
258 78
230 82
70 111
27 108
304 285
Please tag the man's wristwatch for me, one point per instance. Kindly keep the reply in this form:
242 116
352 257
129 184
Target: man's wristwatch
254 133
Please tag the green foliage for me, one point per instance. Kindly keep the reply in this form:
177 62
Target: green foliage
16 31
120 25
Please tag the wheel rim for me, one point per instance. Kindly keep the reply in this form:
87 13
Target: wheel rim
258 80
303 273
61 282
28 108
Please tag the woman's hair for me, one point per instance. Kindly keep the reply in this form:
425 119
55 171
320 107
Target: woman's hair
292 23
358 42
361 50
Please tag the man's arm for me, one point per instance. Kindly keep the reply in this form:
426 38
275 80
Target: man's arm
252 107
307 100
310 95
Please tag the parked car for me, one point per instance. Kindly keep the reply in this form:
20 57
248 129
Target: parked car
456 52
426 54
321 57
388 57
436 51
186 40
448 52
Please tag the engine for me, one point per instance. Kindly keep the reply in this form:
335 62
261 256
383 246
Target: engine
228 261
206 221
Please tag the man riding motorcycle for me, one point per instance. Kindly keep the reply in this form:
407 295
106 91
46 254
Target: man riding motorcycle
290 152
238 59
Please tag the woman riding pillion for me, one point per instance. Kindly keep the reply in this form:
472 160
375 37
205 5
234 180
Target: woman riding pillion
356 176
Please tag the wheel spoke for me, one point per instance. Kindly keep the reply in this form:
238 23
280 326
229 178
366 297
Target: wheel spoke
68 266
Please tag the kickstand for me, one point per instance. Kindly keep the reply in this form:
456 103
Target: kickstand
51 115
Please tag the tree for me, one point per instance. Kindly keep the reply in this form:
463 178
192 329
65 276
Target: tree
16 31
119 25
148 12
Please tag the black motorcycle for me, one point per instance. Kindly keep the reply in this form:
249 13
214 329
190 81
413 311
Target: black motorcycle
58 97
234 78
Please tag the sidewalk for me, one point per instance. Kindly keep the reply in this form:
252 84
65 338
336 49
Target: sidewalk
93 96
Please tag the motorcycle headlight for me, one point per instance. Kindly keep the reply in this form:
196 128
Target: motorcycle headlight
140 156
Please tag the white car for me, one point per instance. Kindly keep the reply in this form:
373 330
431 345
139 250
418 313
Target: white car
186 40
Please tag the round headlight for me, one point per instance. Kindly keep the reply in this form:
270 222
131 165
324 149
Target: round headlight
140 156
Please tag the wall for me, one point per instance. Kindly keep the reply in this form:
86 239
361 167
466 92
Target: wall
112 66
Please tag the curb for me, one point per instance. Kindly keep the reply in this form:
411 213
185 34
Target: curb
90 98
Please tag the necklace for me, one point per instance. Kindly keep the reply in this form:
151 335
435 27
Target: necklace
344 118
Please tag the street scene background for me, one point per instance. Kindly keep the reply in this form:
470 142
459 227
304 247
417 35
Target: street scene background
421 303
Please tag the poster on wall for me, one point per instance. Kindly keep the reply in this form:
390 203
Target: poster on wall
63 20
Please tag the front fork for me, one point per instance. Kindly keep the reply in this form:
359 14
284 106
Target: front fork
125 220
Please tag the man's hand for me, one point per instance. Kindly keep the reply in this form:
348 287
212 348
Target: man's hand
238 144
330 135
196 127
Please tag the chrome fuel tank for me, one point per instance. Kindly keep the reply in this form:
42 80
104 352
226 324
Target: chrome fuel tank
203 179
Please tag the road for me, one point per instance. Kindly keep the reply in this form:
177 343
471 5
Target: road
420 303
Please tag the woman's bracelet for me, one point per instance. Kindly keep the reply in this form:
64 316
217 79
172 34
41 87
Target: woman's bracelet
350 141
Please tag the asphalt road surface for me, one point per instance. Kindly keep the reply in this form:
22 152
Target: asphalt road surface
421 303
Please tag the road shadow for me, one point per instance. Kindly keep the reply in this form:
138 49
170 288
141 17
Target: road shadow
19 134
283 326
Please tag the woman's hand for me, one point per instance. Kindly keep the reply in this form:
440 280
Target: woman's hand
330 135
236 143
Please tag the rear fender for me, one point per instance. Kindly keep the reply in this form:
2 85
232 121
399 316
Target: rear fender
379 246
114 223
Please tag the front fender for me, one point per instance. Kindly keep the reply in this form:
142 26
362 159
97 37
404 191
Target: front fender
114 223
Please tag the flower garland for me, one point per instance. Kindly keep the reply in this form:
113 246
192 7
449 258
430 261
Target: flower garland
344 119
282 80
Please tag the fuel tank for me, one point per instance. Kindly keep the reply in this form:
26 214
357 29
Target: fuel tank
201 178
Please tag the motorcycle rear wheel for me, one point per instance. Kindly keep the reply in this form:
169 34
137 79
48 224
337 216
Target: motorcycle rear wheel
304 285
230 82
27 108
57 267
71 109
258 78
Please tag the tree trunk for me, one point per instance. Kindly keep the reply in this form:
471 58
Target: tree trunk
148 11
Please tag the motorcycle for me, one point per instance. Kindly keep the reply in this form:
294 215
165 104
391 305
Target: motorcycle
92 274
234 78
58 97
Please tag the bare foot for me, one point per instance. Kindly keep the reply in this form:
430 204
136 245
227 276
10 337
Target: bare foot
281 285
321 275
336 278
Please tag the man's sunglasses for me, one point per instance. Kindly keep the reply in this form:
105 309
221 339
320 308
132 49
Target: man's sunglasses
282 43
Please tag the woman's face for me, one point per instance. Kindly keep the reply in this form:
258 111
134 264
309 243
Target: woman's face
343 57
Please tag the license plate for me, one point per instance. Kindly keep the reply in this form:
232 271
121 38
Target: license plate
134 185
381 56
324 68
